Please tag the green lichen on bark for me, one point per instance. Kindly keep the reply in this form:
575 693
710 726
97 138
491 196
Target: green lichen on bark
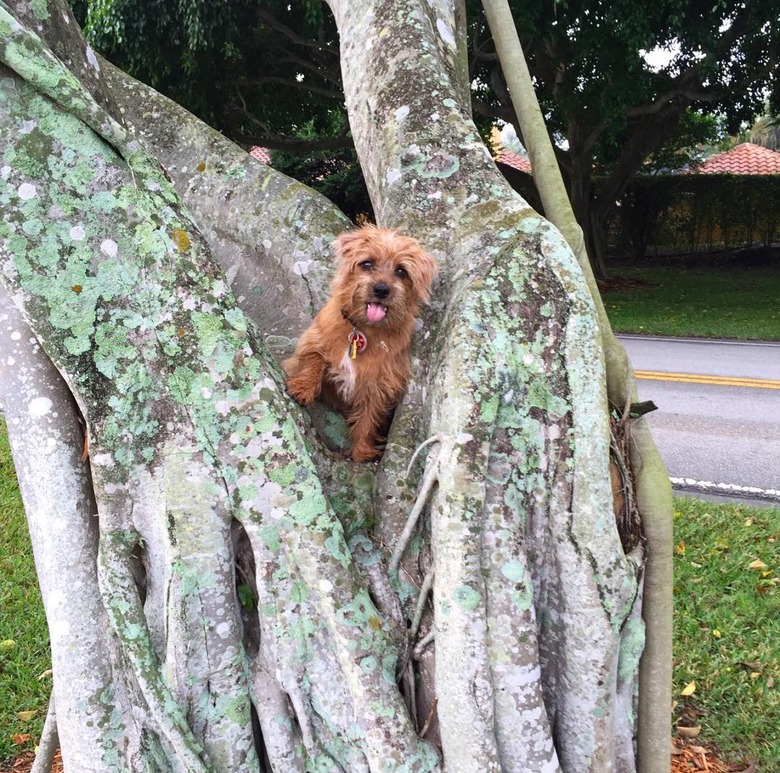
118 285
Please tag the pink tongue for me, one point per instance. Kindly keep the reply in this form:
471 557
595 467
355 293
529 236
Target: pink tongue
375 312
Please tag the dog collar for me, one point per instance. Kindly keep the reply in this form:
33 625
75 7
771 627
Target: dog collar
357 343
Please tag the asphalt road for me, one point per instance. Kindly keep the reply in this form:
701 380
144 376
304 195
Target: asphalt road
718 423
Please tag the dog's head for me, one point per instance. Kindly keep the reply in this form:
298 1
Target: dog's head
382 276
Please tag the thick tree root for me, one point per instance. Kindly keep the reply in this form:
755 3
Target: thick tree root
49 742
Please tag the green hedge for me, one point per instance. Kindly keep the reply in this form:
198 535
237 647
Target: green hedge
684 213
695 213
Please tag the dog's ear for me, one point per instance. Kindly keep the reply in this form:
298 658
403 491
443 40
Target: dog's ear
345 245
422 269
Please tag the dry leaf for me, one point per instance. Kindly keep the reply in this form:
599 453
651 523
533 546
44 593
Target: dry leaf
180 239
680 548
757 564
689 732
716 633
20 738
689 689
26 716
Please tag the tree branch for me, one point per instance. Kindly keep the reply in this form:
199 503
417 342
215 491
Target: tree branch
663 101
293 145
292 83
333 76
487 110
293 36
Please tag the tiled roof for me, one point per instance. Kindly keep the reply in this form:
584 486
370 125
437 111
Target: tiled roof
521 163
263 155
746 158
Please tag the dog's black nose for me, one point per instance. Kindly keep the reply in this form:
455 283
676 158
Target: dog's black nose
381 291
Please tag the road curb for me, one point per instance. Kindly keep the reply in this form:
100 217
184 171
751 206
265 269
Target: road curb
728 491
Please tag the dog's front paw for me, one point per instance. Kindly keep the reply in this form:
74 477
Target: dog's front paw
302 390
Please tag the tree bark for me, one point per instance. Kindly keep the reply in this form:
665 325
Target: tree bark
206 477
428 175
267 231
652 489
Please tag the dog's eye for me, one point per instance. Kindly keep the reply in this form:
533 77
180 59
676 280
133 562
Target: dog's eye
401 272
366 265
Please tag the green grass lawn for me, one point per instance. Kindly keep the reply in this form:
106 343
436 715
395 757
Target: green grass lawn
24 640
679 300
727 626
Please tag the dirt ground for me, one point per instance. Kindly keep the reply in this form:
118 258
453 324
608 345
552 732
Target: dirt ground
687 757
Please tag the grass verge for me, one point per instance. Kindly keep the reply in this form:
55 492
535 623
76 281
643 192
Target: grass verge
727 627
24 639
679 300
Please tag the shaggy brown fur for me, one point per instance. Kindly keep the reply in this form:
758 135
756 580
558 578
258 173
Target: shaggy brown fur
355 354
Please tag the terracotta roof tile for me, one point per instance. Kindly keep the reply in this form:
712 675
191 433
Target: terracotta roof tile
746 158
514 160
263 155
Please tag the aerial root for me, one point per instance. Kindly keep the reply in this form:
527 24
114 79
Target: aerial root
410 690
419 649
49 742
431 477
421 599
163 713
429 718
437 438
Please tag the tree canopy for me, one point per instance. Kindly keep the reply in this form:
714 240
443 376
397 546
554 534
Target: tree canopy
262 72
614 109
267 73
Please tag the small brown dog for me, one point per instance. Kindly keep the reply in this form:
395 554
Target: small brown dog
355 354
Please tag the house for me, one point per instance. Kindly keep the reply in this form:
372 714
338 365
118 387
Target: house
513 160
744 159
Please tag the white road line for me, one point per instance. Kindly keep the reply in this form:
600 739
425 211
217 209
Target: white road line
726 489
681 339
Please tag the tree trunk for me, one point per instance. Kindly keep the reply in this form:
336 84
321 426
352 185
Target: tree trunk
651 490
205 476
